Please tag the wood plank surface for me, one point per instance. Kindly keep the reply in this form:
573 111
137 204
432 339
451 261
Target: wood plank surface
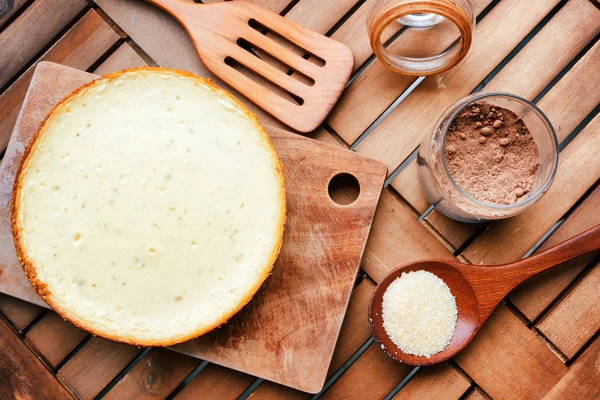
55 338
23 376
583 379
216 382
31 31
440 381
19 312
372 376
94 366
123 58
506 359
155 376
576 318
8 8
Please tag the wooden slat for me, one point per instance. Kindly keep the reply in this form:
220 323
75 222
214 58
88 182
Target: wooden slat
396 238
510 239
508 361
374 90
456 233
94 366
577 317
372 376
34 29
354 34
318 15
537 293
583 379
215 382
124 57
575 95
80 47
23 376
396 137
155 376
273 391
55 338
441 381
18 312
8 9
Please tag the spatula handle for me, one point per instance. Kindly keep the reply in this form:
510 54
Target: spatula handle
577 246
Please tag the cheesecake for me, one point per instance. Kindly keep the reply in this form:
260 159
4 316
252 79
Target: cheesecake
149 207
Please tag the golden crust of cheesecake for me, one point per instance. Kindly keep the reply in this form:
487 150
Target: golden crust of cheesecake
29 266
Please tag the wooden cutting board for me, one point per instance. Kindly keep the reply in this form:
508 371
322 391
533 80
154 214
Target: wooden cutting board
287 333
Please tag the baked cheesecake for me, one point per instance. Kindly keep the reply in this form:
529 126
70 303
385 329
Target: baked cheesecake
149 207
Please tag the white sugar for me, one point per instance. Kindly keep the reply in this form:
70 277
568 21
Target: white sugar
419 313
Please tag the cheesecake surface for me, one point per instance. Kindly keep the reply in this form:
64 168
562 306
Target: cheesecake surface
149 207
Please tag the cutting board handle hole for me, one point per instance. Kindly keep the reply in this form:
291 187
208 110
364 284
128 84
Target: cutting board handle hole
344 189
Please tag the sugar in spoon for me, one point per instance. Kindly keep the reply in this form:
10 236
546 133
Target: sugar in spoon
477 288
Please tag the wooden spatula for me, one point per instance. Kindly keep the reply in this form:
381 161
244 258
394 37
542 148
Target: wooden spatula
218 31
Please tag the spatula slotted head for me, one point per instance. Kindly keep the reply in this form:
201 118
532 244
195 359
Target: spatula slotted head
299 89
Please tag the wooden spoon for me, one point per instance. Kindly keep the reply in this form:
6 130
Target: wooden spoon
219 31
477 288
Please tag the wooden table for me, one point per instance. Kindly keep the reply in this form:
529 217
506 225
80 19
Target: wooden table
542 341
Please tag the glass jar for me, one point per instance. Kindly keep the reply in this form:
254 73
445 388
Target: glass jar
434 35
443 192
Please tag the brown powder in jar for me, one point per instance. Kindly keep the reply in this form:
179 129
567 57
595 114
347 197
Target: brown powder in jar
491 155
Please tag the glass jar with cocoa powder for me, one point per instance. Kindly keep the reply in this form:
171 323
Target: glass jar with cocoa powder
489 156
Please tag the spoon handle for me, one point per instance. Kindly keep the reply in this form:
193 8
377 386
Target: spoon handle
577 246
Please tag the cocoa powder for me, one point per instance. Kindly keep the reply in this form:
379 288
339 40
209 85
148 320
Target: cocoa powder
491 154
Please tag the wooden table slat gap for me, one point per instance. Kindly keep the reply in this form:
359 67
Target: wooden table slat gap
581 126
583 348
251 389
510 56
74 352
386 113
345 17
35 321
412 157
553 348
21 7
289 7
106 55
44 49
138 49
566 69
122 374
402 383
343 368
438 236
187 380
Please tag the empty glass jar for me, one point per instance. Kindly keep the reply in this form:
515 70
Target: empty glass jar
420 37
